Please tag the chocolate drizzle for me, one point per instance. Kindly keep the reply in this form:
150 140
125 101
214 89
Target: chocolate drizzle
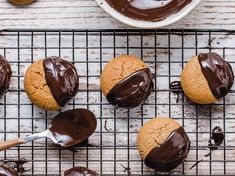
176 88
218 73
148 10
80 171
171 153
62 79
132 90
217 138
7 170
5 75
126 170
73 127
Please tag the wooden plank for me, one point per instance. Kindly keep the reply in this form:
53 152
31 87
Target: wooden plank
19 117
87 14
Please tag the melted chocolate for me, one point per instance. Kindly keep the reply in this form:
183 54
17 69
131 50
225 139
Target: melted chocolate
17 164
5 75
73 127
217 137
176 88
80 171
7 170
133 90
62 79
148 10
218 73
171 153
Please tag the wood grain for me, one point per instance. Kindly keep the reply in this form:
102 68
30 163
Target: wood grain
87 14
112 148
10 143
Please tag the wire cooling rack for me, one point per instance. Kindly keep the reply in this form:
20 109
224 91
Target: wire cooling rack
112 149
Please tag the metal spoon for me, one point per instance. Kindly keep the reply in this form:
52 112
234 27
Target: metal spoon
67 129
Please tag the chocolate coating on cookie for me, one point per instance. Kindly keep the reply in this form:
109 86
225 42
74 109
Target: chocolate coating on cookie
72 127
218 73
7 170
62 79
5 75
80 171
171 153
133 90
148 10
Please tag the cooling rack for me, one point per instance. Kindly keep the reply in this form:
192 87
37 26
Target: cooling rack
112 150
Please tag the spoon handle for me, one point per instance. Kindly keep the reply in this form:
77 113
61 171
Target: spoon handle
11 143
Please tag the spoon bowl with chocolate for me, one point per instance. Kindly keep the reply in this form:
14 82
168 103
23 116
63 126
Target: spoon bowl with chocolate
67 129
149 14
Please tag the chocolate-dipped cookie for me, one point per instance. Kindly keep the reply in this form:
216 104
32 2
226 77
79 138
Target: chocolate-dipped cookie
80 171
148 10
50 83
126 81
7 170
207 78
5 75
163 144
21 2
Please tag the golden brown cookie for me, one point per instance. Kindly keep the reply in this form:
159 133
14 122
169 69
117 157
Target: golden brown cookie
126 81
155 141
51 82
37 89
118 69
207 78
21 2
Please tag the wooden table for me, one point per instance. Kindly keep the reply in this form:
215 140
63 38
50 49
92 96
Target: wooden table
87 14
19 118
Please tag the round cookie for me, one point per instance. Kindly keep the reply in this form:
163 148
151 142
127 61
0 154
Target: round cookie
207 78
5 75
7 170
51 82
21 2
80 171
126 81
163 144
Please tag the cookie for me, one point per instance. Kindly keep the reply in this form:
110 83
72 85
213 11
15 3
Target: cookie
163 144
51 83
7 170
80 171
21 2
126 81
5 75
207 78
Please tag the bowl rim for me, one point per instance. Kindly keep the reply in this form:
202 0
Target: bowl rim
146 24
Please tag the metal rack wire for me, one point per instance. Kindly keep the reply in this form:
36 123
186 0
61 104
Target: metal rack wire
112 149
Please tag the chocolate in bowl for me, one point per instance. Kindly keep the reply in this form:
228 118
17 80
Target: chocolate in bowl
147 24
148 10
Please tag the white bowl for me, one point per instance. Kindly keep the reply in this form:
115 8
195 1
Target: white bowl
145 24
